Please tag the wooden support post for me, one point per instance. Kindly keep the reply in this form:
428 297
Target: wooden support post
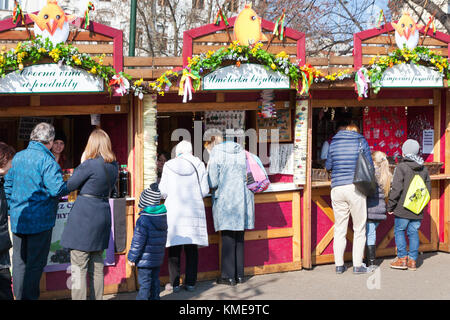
445 245
296 225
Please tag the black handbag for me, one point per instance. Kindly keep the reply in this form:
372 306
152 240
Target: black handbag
364 179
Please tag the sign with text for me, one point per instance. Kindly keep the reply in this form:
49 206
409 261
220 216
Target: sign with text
410 75
247 76
50 78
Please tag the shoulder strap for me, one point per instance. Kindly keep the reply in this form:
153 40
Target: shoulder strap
196 172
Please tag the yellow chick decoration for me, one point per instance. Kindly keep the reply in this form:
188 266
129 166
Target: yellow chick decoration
52 22
406 32
247 27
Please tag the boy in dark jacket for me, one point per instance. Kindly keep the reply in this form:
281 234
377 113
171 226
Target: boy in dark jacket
149 243
406 220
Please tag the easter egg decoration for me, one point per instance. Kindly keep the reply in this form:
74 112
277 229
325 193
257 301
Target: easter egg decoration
406 32
51 22
247 27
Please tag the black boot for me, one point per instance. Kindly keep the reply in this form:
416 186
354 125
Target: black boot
370 254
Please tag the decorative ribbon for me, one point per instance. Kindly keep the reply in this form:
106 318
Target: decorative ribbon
220 16
278 30
361 83
186 86
431 23
90 7
121 84
307 79
17 12
380 18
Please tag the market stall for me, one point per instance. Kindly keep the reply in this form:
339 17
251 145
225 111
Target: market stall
240 93
66 84
398 94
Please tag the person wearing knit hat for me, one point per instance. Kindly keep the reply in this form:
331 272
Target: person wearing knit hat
59 143
150 197
406 220
149 243
411 149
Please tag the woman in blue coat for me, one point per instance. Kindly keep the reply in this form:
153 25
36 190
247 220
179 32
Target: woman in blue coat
89 224
233 206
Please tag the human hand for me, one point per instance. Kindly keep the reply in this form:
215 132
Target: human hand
390 212
131 264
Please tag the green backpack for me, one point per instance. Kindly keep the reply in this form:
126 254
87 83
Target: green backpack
417 196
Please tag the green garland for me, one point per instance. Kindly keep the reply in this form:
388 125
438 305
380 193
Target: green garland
200 65
36 50
418 56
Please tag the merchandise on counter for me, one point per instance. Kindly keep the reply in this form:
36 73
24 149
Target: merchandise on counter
123 181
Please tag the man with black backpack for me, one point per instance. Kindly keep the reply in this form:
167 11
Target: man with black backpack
410 193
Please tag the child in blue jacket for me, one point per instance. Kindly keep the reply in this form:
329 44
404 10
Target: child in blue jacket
149 243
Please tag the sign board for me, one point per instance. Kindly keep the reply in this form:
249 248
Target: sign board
411 75
59 258
247 76
51 78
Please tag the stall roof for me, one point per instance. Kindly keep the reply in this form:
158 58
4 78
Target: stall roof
96 40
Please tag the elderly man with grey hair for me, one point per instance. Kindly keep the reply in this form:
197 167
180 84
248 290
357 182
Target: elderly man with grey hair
33 186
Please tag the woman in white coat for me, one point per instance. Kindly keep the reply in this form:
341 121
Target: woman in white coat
184 183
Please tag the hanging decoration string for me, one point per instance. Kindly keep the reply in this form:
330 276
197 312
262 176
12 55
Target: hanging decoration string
220 16
380 19
17 12
279 28
90 7
429 23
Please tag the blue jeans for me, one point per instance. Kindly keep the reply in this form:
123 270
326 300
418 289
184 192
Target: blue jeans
148 284
371 232
412 229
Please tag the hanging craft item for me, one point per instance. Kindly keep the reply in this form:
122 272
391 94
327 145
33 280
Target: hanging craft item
300 140
52 22
267 106
406 32
90 7
247 27
362 83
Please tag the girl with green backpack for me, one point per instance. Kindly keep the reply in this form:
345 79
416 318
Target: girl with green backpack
410 193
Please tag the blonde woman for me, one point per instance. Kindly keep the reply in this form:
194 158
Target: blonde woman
89 224
376 204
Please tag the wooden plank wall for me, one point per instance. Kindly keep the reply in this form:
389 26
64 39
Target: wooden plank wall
384 44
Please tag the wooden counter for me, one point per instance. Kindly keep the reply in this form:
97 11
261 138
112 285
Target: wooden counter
322 228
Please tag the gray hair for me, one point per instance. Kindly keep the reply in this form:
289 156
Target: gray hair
43 132
183 147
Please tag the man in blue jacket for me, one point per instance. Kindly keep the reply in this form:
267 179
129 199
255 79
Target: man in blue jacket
346 200
33 186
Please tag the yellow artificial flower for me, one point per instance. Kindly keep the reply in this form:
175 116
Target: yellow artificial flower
42 50
273 66
282 55
21 67
93 70
138 83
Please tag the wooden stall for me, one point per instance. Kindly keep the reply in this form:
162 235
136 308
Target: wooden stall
71 112
410 110
275 243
